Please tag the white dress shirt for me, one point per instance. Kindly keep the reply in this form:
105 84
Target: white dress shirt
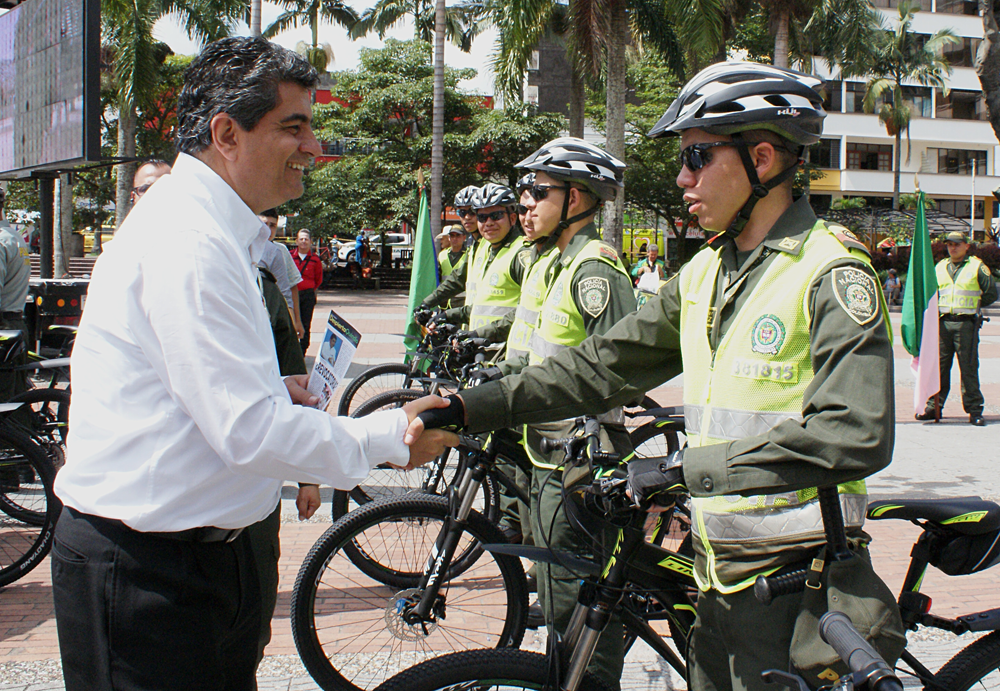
179 418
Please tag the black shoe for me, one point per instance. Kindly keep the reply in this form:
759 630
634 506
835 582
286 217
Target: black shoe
513 535
926 415
536 619
977 420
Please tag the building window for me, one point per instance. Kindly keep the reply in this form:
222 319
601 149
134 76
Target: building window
961 105
925 5
854 98
920 98
869 156
956 161
970 7
959 207
832 97
825 154
962 54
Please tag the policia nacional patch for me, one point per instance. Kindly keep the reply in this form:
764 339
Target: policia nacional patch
857 293
594 295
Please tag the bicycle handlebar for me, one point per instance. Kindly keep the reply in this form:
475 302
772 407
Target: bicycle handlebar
836 629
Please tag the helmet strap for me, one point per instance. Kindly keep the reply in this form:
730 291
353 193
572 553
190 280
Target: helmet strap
759 189
564 222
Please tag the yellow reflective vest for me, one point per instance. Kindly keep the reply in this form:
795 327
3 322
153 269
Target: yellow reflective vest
530 305
489 288
754 381
959 295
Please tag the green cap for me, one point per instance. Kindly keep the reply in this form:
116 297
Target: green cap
955 236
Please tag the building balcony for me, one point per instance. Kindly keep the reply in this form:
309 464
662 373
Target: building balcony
879 182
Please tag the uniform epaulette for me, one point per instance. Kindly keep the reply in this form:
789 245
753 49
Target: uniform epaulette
848 239
607 251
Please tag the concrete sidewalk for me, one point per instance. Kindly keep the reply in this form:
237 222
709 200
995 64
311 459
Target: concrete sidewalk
949 459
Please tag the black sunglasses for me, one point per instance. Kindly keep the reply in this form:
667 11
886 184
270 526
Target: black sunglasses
521 209
492 216
462 213
141 189
540 192
697 156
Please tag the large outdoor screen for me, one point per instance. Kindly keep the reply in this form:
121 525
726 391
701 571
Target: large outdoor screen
49 98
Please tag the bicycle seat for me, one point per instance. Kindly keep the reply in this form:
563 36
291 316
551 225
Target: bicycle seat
966 515
63 330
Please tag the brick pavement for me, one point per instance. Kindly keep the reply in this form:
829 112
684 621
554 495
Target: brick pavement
28 646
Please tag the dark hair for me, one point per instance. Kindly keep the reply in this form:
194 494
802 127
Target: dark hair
269 213
237 76
153 162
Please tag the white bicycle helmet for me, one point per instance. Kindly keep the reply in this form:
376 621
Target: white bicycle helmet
573 159
465 196
525 183
492 194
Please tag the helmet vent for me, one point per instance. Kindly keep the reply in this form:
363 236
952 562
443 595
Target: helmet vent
727 107
777 100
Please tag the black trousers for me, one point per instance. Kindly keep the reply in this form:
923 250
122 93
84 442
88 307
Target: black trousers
307 303
961 338
137 611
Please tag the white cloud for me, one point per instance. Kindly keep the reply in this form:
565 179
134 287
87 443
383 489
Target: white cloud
170 31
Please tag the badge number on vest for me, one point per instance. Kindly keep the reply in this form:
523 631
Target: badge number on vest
768 335
857 293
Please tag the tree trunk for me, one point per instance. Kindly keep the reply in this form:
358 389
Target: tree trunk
614 212
577 102
125 172
255 17
988 64
895 176
437 131
781 38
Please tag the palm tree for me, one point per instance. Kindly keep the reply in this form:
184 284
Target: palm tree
988 65
461 23
127 29
309 13
898 56
437 126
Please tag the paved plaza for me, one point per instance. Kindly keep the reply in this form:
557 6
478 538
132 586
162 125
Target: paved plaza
931 460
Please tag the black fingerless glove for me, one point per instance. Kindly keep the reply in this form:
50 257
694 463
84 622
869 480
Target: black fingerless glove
649 477
451 418
481 376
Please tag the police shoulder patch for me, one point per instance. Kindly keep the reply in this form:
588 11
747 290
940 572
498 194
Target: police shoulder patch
857 293
986 270
594 295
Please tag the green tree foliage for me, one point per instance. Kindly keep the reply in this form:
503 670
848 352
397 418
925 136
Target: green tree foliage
382 114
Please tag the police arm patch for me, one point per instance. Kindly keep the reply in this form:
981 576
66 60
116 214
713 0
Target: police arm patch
594 295
857 293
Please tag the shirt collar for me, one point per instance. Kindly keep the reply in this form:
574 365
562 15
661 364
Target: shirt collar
577 243
233 213
789 232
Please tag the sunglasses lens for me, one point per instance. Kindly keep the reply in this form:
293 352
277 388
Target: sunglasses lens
694 158
522 209
539 192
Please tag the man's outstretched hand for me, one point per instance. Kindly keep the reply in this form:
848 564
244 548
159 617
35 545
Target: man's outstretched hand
425 445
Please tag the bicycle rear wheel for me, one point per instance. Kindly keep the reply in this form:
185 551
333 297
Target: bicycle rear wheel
486 670
376 379
349 619
654 439
975 667
28 506
48 420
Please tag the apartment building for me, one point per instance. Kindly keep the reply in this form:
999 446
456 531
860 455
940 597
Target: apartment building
950 136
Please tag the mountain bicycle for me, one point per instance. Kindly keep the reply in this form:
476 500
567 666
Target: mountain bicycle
961 535
28 506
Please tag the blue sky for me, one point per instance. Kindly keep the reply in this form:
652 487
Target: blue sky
346 51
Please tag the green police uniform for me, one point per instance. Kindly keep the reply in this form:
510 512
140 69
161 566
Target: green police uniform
452 285
586 291
963 289
843 432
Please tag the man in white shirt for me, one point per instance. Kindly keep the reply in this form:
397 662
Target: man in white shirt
184 428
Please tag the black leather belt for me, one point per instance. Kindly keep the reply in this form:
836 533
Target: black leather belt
207 534
11 315
957 317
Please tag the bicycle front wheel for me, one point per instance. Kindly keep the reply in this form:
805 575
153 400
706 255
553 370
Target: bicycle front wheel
486 670
975 667
354 622
373 381
28 506
46 417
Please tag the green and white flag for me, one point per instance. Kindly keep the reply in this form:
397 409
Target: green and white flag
920 314
424 275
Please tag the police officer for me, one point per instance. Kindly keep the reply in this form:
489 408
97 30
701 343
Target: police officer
779 328
454 284
452 254
15 272
965 286
497 265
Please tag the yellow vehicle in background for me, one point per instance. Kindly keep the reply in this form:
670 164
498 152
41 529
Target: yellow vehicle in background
89 235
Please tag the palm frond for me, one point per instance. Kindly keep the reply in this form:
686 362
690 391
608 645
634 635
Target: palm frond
589 32
651 25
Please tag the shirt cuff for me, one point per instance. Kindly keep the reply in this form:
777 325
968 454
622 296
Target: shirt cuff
384 431
706 470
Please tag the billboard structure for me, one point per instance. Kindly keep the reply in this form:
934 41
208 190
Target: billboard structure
49 86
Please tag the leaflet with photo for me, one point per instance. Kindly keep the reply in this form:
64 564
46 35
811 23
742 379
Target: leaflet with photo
335 355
